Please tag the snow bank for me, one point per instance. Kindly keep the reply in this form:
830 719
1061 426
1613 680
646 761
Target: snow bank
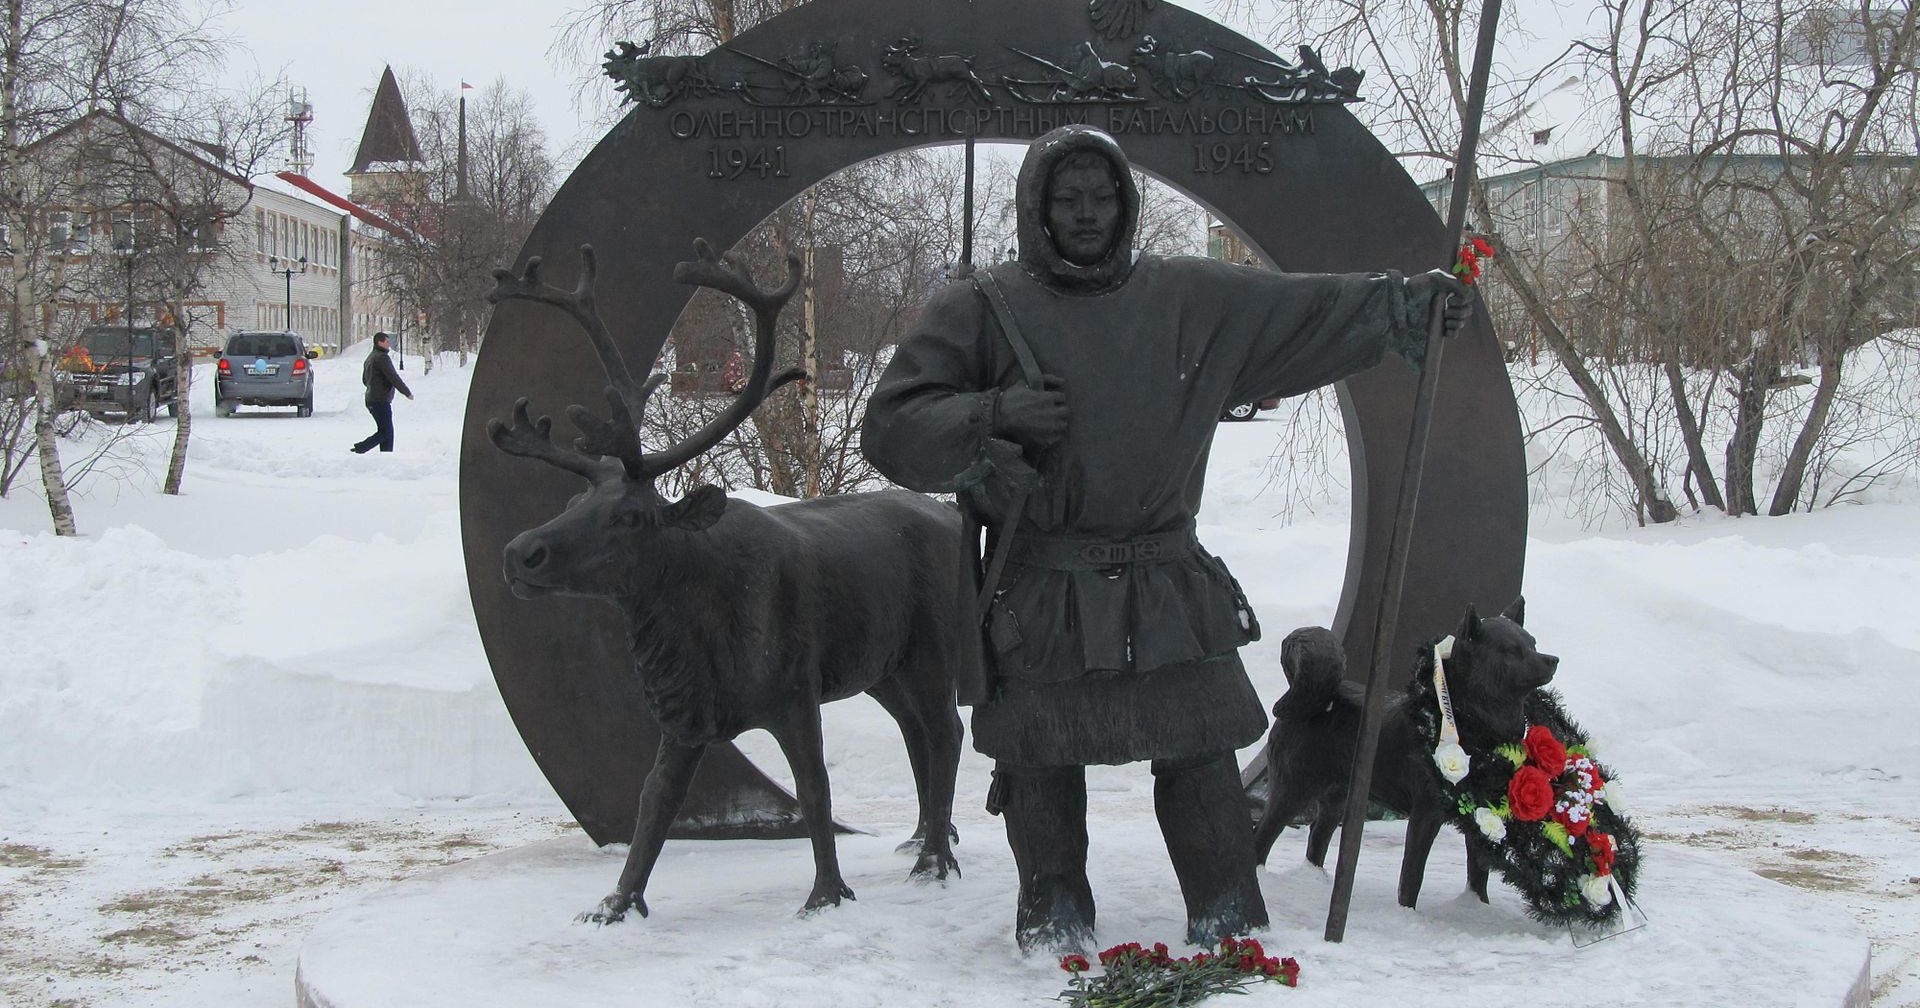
296 622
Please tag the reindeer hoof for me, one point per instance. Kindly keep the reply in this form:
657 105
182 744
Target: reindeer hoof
933 866
917 842
613 910
826 895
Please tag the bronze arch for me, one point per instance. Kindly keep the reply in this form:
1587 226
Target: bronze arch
1238 131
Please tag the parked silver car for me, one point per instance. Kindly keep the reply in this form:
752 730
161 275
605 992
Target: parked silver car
264 369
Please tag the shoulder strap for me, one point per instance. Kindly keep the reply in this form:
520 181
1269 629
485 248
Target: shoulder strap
989 289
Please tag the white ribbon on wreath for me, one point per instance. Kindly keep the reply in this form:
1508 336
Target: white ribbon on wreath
1447 753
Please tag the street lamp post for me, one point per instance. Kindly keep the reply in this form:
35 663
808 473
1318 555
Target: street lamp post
123 246
287 268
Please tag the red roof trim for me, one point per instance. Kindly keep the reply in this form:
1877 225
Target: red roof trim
313 188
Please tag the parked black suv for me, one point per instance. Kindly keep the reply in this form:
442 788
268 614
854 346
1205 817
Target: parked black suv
114 369
264 369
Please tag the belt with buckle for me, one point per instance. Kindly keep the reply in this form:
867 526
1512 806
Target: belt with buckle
1077 553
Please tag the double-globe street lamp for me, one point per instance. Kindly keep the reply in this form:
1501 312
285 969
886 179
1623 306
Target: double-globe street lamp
287 268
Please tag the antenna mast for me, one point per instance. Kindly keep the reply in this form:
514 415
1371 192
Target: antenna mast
299 113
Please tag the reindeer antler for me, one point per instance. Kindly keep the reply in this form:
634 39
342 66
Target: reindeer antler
730 274
534 439
620 437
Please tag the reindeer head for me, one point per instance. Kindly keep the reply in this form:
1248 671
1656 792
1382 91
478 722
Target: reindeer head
605 539
897 52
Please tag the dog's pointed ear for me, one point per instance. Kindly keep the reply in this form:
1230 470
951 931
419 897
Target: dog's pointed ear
1517 612
1469 625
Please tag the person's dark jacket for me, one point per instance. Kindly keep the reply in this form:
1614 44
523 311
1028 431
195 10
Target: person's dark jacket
1096 663
381 378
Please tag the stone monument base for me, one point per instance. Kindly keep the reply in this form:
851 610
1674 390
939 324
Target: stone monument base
499 931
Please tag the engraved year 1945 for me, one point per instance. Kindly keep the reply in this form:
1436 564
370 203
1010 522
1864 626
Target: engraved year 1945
761 161
1248 158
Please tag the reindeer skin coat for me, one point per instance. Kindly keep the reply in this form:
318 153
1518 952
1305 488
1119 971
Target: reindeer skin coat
1139 661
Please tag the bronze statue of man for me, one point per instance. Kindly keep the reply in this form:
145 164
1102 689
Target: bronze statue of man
1113 635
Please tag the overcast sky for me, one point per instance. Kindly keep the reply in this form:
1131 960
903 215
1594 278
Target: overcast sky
336 51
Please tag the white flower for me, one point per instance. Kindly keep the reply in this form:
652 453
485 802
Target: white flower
1452 761
1492 825
1610 794
1596 890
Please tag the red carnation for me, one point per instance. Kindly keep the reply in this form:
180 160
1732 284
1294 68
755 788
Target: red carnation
1545 751
1601 849
1574 827
1466 265
1530 794
1075 963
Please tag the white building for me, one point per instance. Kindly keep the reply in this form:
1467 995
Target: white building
274 252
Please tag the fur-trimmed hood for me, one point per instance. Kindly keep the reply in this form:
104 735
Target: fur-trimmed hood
1038 254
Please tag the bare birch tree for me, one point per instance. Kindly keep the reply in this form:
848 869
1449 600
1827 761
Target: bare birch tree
1751 218
175 183
141 61
442 266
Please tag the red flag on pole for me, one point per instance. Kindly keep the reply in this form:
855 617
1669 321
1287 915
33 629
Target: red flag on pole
464 86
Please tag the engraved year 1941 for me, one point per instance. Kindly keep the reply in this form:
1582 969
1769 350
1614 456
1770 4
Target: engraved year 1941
1248 158
731 163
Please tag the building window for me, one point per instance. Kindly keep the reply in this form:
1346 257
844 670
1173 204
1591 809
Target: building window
69 232
260 231
200 233
120 230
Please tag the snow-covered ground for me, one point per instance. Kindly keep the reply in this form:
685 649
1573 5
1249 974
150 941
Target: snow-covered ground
226 713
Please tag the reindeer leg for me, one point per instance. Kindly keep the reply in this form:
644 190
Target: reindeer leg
943 744
660 798
799 739
913 731
932 732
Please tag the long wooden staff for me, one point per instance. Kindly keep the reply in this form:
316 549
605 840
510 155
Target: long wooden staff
1387 619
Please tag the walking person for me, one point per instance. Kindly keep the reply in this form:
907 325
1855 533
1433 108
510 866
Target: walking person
382 380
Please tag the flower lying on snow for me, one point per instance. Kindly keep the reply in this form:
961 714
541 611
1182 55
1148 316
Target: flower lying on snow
1140 977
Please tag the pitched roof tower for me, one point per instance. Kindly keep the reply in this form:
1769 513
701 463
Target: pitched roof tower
388 168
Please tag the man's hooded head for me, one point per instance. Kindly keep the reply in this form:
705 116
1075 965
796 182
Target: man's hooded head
1061 211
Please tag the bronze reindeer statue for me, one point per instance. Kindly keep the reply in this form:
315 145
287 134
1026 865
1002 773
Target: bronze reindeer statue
743 617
